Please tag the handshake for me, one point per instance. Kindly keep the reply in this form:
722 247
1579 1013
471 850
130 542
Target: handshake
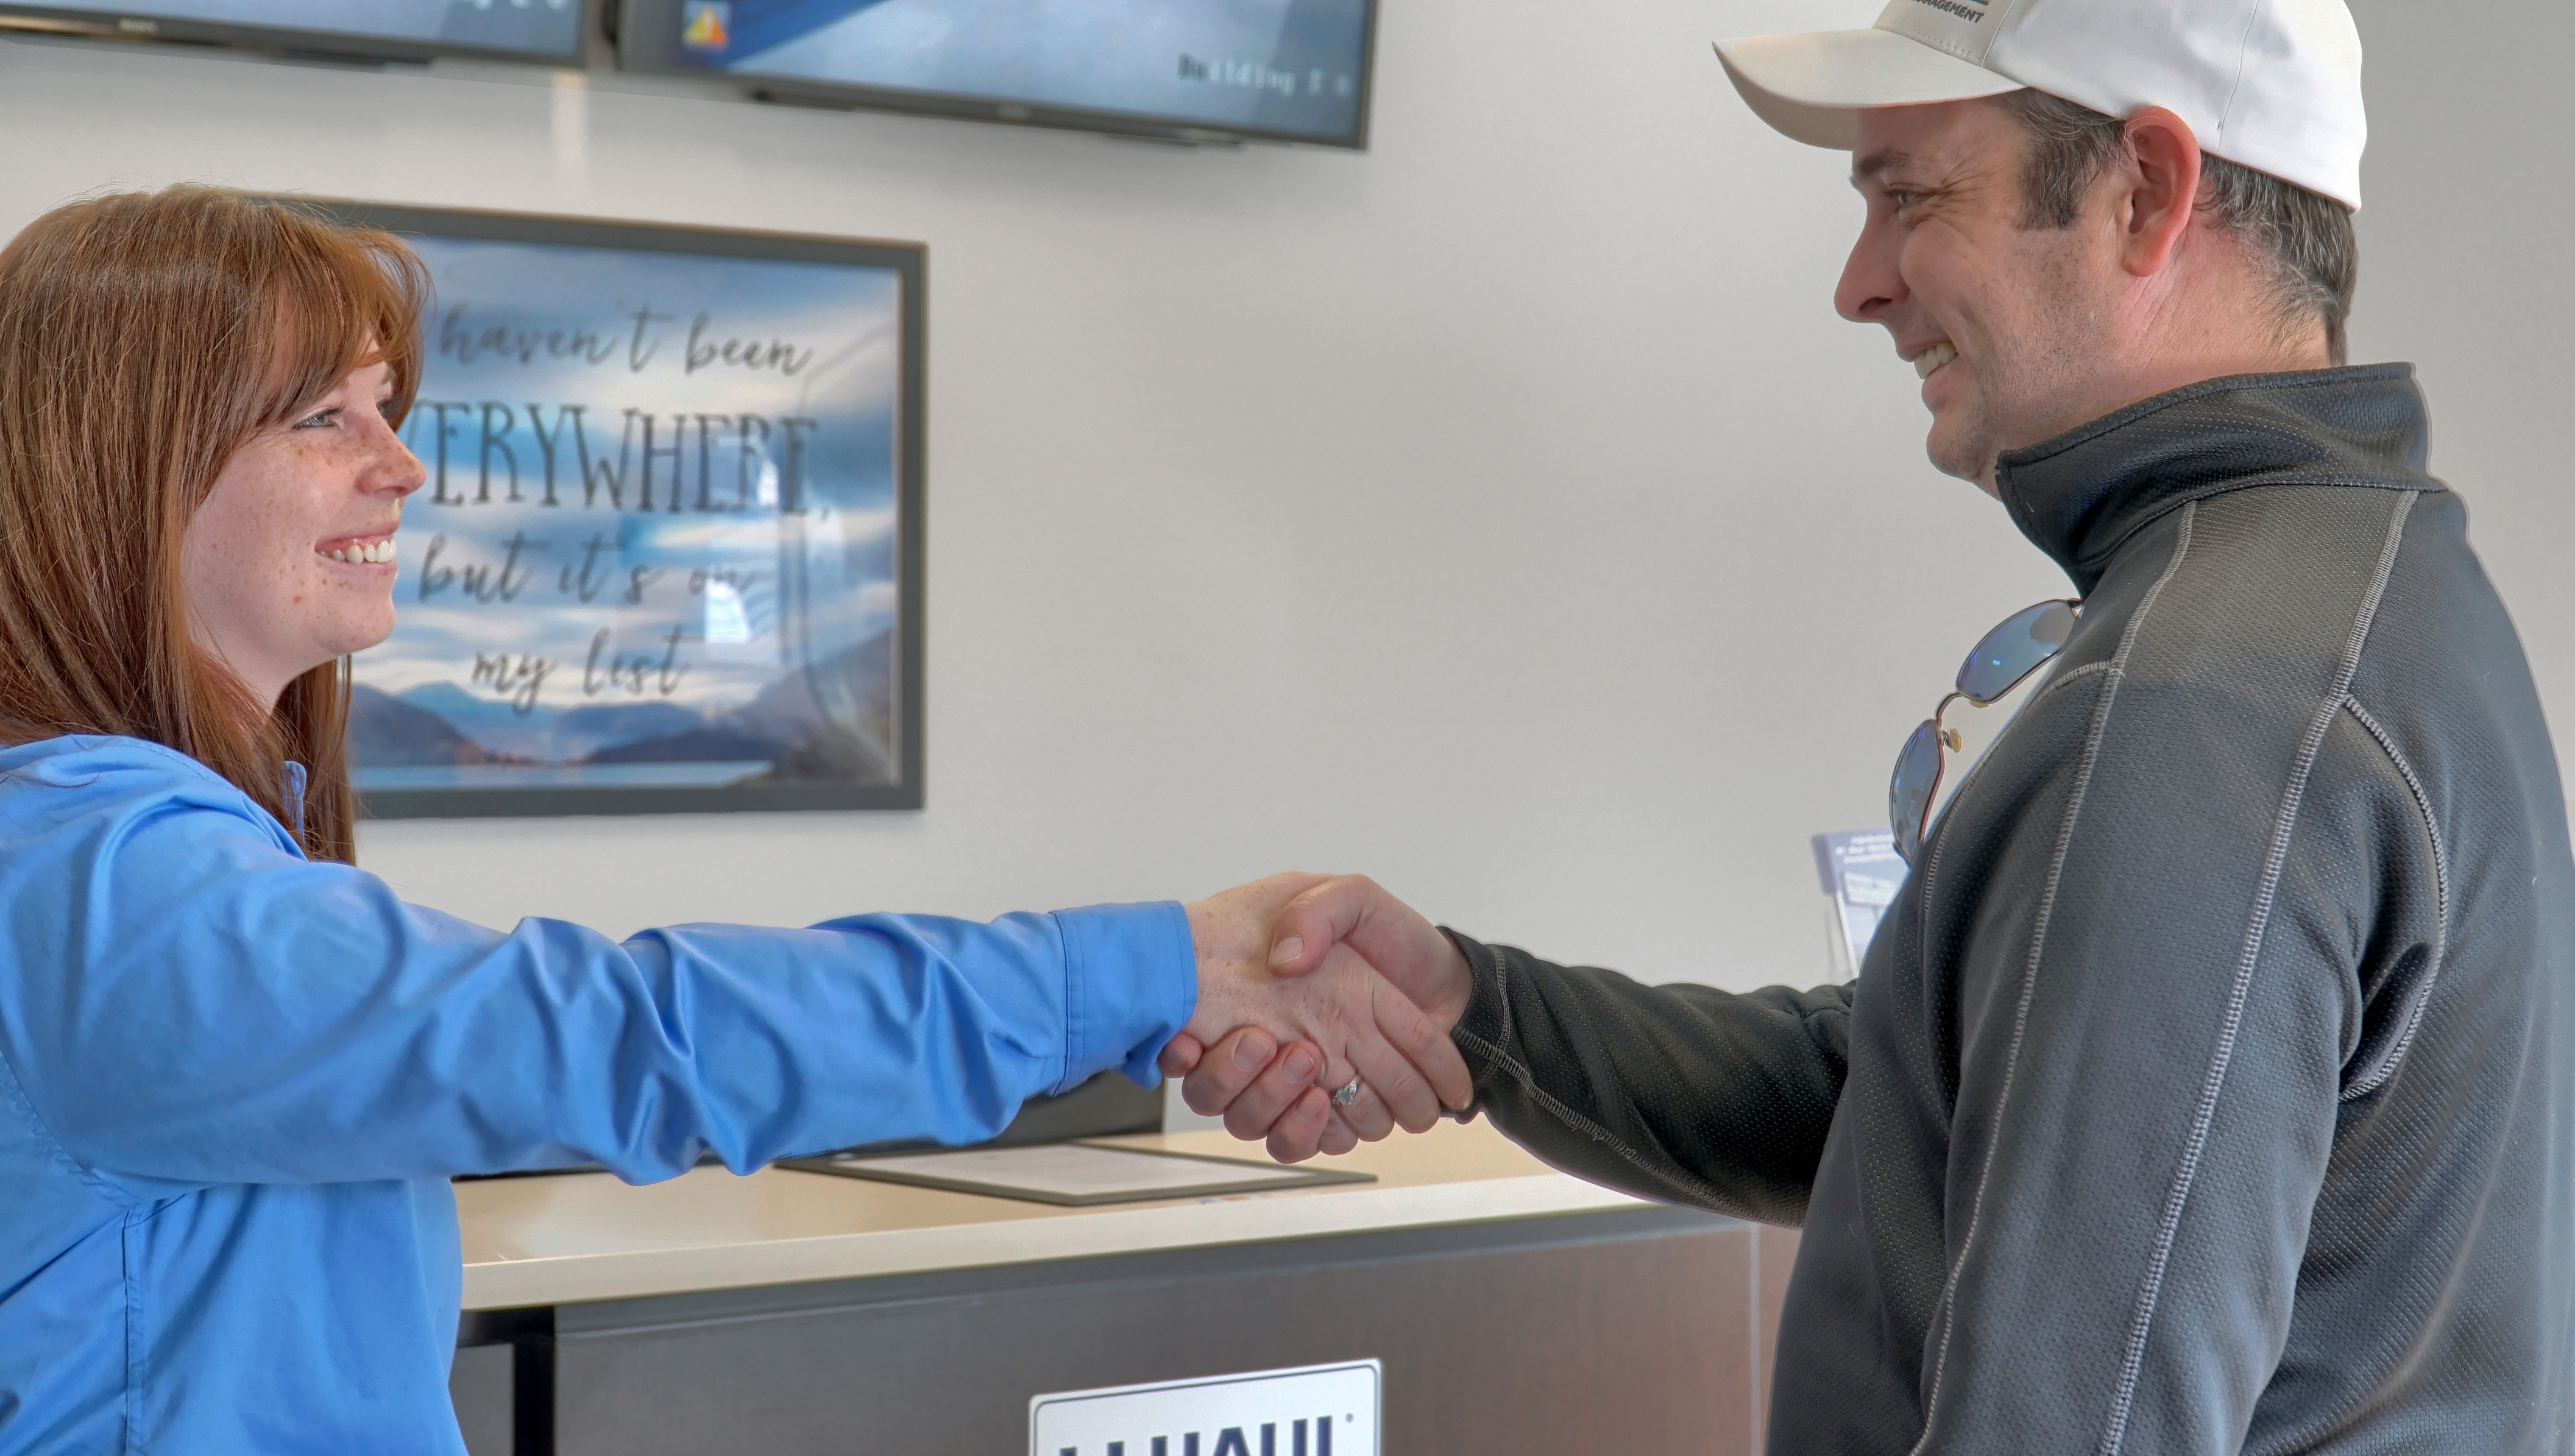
1324 1013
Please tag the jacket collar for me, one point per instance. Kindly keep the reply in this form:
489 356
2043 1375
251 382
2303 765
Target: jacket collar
2081 496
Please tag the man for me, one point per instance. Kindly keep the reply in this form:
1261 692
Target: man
2211 1085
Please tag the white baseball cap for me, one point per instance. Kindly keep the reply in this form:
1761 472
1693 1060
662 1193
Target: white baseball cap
2272 84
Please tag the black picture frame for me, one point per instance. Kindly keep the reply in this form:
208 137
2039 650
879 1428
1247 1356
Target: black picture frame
909 265
645 35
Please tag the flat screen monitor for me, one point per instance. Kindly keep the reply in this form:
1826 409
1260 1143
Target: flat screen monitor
667 556
1288 69
536 30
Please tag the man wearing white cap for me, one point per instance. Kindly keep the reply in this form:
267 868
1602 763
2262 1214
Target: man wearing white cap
2211 1085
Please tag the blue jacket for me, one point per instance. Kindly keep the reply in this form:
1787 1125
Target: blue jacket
234 1083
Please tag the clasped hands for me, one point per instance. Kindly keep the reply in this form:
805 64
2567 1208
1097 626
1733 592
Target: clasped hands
1305 982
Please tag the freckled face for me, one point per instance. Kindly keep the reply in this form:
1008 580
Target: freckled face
290 560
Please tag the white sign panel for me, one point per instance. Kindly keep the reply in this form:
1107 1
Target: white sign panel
1316 1410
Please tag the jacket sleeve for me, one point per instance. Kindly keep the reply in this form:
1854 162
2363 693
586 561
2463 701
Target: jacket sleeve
1682 1094
214 1008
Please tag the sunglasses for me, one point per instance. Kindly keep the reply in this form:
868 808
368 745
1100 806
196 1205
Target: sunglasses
2019 644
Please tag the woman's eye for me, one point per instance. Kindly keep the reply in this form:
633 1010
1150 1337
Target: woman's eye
318 419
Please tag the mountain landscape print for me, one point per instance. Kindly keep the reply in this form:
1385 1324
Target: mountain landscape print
660 549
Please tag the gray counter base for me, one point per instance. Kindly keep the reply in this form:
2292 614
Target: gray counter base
1643 1329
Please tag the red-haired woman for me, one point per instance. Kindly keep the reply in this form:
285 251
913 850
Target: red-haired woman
235 1071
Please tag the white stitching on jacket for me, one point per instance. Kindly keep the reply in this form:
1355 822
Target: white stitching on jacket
2070 674
2038 941
2169 1226
2440 900
1706 1193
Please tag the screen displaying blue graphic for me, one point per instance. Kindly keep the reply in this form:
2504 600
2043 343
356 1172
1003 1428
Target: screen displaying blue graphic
656 549
536 29
1862 872
1283 68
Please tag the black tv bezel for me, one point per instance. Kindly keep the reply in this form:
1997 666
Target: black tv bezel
646 34
909 262
134 25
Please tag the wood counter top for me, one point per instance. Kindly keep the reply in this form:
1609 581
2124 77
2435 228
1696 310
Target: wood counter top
569 1238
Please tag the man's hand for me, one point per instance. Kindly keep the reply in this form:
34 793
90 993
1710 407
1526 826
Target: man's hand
1324 925
1345 1020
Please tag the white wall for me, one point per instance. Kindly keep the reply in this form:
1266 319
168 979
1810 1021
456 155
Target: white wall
1501 512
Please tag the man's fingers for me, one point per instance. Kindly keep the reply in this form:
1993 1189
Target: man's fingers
1225 1070
1315 920
1180 1056
1299 1133
1249 1116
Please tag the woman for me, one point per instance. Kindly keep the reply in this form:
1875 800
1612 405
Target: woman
235 1071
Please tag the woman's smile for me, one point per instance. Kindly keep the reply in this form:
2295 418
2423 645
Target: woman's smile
371 548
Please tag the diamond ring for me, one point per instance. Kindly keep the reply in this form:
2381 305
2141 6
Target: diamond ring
1347 1096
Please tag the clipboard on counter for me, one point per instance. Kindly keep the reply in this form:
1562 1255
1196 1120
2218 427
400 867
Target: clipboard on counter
1077 1175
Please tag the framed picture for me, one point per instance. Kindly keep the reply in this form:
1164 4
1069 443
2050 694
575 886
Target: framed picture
668 554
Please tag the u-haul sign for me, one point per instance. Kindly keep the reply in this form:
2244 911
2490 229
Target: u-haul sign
1315 1410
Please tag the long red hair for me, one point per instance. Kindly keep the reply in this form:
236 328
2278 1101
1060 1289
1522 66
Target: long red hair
144 338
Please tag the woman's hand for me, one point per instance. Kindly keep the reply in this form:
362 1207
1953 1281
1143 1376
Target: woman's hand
1335 1016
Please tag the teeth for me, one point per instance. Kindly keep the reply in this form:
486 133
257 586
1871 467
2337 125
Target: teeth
378 553
1933 358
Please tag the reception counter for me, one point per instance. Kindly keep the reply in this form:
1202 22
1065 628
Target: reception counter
1515 1309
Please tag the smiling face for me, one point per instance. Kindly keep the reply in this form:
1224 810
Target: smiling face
2007 325
289 561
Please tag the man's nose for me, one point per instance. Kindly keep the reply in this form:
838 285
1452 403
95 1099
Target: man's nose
1870 283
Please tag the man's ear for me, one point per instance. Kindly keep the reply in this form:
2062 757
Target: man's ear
2163 190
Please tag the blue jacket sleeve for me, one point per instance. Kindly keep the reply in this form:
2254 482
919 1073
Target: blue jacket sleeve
197 1003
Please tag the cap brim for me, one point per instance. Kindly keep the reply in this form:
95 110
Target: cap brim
1812 87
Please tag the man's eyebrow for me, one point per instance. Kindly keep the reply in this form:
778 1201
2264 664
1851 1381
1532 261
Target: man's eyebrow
1867 168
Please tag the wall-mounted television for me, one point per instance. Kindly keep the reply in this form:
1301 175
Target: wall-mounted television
668 556
1197 70
402 30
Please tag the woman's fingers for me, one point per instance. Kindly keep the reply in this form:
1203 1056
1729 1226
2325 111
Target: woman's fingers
1300 1132
1398 1054
1350 1022
1423 1043
1368 1114
1338 1138
1390 1088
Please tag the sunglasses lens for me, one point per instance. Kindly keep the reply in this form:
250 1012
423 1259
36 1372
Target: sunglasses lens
1909 795
2015 649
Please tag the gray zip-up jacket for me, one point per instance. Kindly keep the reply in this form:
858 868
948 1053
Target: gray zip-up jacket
2211 1085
